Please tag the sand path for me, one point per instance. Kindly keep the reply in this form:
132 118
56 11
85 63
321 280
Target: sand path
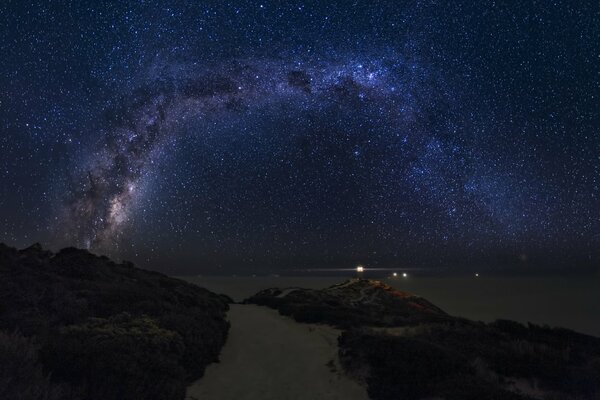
268 356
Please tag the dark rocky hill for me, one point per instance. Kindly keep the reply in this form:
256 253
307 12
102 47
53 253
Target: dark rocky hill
100 329
403 347
355 302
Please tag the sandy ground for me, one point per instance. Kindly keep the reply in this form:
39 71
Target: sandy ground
268 356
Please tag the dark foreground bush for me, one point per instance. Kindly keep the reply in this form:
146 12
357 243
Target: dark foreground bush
107 330
468 360
21 373
119 358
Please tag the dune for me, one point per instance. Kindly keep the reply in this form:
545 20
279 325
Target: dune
269 356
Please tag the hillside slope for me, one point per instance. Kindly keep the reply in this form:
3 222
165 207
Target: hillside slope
352 303
101 330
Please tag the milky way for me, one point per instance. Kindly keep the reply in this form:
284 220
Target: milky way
238 136
147 121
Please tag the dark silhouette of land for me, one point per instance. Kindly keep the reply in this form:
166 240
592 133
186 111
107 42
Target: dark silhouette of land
77 326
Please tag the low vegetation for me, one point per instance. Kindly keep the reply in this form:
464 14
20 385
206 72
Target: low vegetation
403 347
83 327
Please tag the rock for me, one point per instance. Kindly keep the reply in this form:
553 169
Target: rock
356 302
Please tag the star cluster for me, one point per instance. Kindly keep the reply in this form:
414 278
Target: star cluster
236 135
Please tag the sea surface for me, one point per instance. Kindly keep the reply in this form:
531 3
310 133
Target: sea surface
570 302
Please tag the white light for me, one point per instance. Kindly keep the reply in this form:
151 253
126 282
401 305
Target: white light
404 275
395 274
477 275
360 268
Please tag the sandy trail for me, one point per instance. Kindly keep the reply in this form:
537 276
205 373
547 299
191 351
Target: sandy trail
268 356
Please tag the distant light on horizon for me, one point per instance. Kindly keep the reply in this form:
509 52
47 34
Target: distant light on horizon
360 268
404 275
395 274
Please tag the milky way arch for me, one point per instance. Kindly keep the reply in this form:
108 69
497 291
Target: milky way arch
148 118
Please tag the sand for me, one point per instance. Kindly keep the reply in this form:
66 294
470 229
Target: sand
268 356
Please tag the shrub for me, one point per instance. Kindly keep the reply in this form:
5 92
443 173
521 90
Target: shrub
108 331
119 358
21 374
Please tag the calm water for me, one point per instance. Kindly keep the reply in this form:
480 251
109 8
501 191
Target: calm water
571 302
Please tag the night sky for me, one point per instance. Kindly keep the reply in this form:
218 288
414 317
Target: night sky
242 136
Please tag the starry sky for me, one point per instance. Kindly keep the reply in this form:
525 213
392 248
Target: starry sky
249 136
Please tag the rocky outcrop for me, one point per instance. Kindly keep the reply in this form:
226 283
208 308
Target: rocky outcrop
353 303
106 330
